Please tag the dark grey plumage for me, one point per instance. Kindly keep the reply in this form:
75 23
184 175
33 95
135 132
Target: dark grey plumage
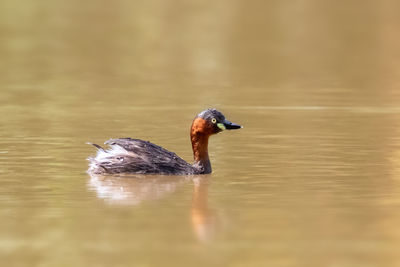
208 114
127 155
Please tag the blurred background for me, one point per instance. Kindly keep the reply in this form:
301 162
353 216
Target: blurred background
313 178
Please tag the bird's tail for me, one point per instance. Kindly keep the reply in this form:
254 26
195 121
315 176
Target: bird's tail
97 146
94 165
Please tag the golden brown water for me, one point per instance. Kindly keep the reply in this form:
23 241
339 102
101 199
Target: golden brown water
313 179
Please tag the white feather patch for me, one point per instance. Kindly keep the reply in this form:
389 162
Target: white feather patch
112 152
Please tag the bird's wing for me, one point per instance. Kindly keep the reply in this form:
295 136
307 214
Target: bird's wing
146 155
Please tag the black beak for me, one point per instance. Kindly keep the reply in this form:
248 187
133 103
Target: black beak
231 126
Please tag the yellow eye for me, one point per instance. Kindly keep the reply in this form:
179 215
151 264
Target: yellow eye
213 120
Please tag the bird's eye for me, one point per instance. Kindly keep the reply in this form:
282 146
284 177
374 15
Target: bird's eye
213 120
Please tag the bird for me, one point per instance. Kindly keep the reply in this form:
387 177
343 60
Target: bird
135 156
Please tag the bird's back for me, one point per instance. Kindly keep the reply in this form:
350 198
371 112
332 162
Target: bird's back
127 155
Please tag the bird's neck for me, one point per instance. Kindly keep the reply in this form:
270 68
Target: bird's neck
200 152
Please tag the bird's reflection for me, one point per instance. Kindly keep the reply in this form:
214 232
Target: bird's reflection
203 218
135 189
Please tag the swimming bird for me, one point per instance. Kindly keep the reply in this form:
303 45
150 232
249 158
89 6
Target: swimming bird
127 155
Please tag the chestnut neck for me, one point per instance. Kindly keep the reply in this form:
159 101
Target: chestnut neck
199 140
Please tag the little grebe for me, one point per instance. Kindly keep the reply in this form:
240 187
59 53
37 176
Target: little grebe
128 155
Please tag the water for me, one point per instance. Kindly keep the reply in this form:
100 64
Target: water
313 178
